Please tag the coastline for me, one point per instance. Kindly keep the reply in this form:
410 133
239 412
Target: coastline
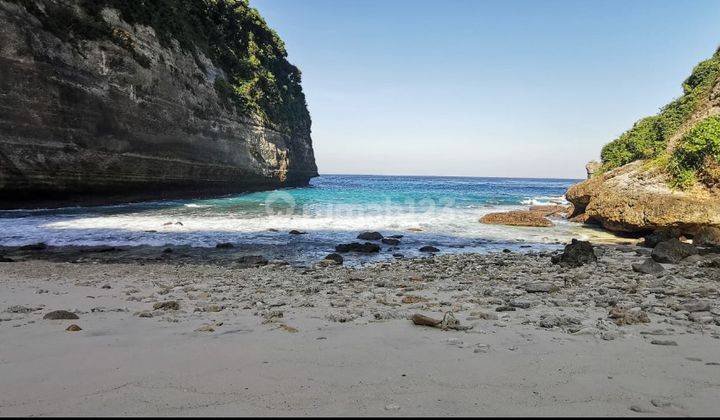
283 339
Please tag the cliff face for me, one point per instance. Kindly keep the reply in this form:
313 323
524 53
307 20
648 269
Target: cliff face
665 171
94 108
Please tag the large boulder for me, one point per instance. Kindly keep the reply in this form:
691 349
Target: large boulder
576 254
673 251
517 218
637 198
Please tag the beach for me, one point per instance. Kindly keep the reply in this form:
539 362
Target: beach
193 335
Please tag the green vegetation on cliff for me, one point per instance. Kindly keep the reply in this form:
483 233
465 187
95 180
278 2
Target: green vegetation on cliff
697 152
259 79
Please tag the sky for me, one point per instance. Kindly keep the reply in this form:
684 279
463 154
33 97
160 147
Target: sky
520 88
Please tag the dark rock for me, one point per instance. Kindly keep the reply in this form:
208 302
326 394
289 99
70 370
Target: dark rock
648 267
170 305
398 255
252 261
4 259
396 236
429 249
366 248
100 249
41 246
224 245
576 254
661 235
167 251
73 328
54 315
297 232
673 251
664 342
391 241
370 236
335 257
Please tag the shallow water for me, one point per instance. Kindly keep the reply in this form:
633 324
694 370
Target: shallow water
440 211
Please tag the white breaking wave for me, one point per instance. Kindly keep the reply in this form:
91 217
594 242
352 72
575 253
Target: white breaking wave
453 225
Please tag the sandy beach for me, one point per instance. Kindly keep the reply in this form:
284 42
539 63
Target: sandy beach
182 336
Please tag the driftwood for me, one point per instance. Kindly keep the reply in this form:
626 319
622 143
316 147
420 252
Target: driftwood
449 322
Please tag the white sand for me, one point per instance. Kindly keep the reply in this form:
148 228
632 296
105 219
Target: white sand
121 364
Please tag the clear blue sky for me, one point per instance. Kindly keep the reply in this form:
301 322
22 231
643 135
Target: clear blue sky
485 88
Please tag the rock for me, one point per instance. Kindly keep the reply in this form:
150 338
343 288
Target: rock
73 328
540 287
673 251
224 245
576 254
664 342
661 235
522 303
366 248
370 236
205 328
4 259
167 306
392 407
297 232
41 246
63 315
592 168
119 112
410 299
552 210
335 257
391 241
697 306
19 309
429 249
106 287
517 218
707 236
623 316
648 267
636 198
247 261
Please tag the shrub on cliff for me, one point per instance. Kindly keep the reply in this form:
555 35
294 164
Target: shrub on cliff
648 139
260 80
697 156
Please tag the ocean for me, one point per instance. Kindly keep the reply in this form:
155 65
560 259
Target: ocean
438 211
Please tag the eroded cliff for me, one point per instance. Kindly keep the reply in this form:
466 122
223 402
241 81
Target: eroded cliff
106 101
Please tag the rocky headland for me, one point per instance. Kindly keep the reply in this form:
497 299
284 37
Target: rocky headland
110 101
663 173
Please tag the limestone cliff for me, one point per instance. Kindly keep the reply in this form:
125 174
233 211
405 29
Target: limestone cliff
665 171
104 100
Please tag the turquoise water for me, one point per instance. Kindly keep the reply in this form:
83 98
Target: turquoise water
440 211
